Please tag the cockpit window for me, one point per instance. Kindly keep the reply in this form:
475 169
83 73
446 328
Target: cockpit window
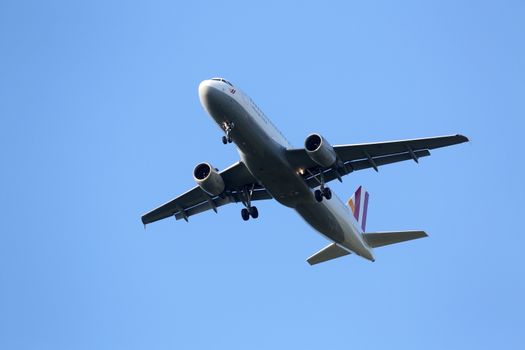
223 80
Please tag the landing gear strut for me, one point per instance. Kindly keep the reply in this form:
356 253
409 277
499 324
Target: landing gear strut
322 191
227 127
247 201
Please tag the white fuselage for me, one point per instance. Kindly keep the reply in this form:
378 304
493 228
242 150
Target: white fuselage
262 149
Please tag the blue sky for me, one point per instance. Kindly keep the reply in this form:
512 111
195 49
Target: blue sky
101 121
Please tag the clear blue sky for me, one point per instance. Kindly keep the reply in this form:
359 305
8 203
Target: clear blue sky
100 122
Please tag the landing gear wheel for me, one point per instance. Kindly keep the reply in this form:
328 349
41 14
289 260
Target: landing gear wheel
327 193
245 214
254 213
227 127
318 196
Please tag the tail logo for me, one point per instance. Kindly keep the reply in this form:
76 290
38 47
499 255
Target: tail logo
359 206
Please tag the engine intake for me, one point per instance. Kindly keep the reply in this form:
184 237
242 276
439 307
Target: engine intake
208 179
320 151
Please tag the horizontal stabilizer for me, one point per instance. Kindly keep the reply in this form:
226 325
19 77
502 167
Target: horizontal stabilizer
329 252
379 239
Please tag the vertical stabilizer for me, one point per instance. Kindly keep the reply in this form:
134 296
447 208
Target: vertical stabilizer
359 206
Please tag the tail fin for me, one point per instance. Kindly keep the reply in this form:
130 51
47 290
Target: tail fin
359 206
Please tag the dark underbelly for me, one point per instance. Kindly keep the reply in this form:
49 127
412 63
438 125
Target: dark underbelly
321 219
279 179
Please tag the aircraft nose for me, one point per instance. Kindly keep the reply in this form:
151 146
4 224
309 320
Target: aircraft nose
207 92
203 86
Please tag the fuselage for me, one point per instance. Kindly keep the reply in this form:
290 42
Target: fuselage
262 147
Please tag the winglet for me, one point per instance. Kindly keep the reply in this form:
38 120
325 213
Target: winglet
462 138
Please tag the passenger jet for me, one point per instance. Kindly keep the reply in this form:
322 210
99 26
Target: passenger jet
270 167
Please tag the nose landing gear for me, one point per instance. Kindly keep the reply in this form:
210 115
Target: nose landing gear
227 127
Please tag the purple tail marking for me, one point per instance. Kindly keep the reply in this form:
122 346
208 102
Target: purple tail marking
365 210
357 203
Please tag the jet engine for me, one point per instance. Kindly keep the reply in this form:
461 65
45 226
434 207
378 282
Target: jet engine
208 179
320 151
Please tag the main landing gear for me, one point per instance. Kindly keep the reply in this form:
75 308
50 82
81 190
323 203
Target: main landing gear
227 127
322 191
247 201
247 212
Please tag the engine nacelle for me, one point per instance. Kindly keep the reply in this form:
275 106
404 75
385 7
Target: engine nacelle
208 179
320 151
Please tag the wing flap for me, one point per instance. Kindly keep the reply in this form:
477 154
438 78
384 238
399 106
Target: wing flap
376 149
330 174
384 160
332 251
233 197
380 239
189 198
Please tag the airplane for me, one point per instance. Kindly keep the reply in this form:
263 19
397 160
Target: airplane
270 167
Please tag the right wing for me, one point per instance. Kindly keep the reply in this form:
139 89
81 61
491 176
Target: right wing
369 155
236 179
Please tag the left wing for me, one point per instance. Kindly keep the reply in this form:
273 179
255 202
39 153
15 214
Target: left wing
369 155
237 180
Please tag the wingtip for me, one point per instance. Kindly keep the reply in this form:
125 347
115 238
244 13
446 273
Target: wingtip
463 138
